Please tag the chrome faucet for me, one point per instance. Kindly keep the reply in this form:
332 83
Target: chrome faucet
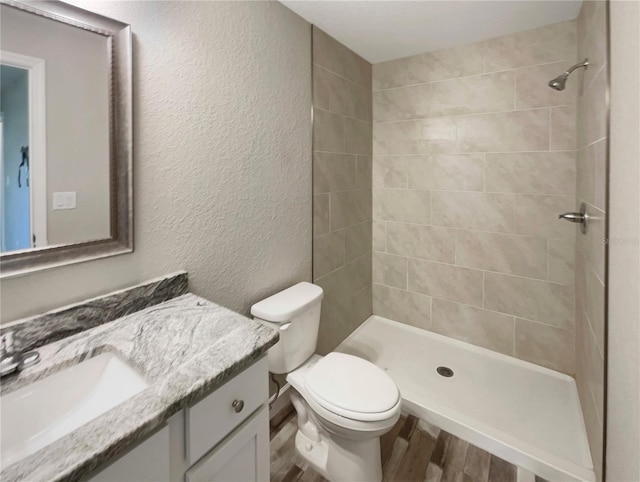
12 361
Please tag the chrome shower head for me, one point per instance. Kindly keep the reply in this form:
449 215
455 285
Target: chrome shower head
560 82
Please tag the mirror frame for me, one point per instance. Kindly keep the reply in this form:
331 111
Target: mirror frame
119 47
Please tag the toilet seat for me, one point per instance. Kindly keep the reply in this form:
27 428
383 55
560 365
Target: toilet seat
351 388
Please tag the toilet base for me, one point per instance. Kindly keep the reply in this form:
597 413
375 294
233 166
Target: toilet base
355 461
336 458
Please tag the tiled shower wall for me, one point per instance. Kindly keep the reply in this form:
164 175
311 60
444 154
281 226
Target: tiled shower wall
474 158
341 187
590 252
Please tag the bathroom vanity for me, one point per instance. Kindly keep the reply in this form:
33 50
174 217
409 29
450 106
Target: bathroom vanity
176 390
223 437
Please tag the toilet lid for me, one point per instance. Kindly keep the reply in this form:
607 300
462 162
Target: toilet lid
348 385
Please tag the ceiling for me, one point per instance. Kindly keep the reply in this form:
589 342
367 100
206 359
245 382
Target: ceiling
385 30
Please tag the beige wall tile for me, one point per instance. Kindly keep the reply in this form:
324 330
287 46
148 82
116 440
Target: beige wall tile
390 270
394 138
561 261
590 383
339 95
364 172
390 74
526 130
531 172
361 105
591 187
390 172
415 241
357 136
593 241
542 301
595 308
359 272
563 129
400 305
538 215
334 56
445 64
590 367
403 205
542 45
349 208
379 236
469 95
402 103
532 90
462 172
504 253
329 91
596 108
340 316
342 214
328 131
329 253
592 174
336 285
470 210
357 240
446 282
333 172
580 282
545 345
362 305
473 325
438 135
464 95
320 214
592 37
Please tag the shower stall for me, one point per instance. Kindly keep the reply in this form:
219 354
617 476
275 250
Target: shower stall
443 183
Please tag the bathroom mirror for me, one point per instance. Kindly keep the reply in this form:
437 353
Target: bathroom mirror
66 137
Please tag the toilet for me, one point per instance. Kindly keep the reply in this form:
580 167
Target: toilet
344 403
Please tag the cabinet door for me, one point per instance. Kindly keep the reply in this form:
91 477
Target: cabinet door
242 457
148 462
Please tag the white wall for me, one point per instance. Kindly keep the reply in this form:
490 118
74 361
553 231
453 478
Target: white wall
77 98
623 391
222 156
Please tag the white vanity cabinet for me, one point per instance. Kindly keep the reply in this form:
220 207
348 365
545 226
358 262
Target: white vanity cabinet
241 457
222 438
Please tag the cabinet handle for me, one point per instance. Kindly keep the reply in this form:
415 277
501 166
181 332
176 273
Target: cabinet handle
238 405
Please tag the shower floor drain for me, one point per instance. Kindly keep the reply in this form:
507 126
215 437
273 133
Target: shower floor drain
445 371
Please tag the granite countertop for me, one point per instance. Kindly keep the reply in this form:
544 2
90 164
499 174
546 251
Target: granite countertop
185 347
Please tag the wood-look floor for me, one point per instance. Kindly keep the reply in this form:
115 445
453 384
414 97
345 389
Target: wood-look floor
408 454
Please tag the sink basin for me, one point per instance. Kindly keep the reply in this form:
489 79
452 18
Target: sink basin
40 413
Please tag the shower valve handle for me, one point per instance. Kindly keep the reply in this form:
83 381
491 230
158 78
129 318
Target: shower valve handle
581 218
573 217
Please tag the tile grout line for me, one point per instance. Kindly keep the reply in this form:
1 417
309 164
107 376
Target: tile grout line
448 79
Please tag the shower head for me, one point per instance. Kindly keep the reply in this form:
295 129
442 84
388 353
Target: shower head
560 82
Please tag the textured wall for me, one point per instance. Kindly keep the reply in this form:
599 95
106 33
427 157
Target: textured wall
341 187
474 158
222 158
623 277
592 190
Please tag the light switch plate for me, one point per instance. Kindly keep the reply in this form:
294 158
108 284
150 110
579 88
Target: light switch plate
71 200
64 200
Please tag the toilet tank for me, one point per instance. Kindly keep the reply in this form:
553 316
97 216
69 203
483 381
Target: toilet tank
295 314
